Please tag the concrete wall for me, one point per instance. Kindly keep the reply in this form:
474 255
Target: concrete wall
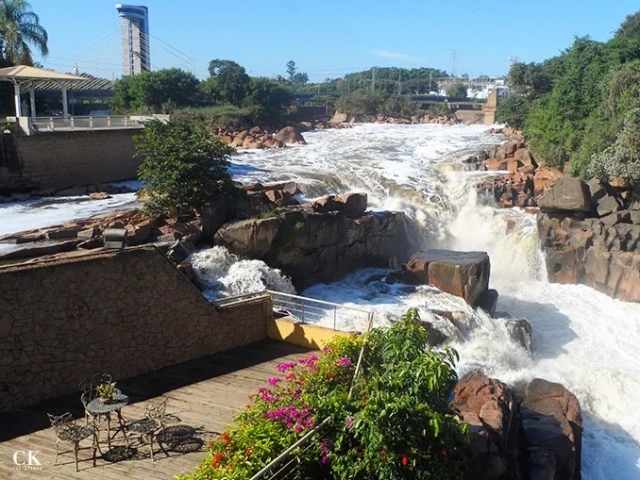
123 313
302 334
57 160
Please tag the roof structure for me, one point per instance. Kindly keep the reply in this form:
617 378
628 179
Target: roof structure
23 74
88 84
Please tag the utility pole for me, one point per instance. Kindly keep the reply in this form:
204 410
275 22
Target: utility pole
454 60
373 81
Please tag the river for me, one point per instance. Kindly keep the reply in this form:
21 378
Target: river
583 339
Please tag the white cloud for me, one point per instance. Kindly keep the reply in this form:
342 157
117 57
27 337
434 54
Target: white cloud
396 56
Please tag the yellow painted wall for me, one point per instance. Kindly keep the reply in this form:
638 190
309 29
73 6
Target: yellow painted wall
302 334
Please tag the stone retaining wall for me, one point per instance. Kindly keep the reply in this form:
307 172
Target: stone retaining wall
58 160
120 312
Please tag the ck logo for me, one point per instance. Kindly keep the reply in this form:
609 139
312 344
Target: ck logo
26 460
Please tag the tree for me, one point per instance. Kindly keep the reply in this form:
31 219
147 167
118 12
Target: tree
291 70
19 30
622 159
268 98
228 83
158 92
300 78
513 111
456 90
183 166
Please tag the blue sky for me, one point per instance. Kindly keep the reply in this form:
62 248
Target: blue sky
328 38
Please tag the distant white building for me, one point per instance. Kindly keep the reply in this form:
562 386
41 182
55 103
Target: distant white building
478 90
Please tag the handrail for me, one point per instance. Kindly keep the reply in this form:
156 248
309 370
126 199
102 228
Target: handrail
220 302
44 124
319 301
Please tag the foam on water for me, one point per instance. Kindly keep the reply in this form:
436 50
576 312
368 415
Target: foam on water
45 212
224 275
583 339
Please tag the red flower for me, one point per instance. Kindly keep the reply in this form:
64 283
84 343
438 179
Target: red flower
405 460
216 460
225 438
248 452
329 375
383 454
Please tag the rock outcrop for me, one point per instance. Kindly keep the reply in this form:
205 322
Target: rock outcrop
489 407
464 274
87 234
552 426
258 138
599 247
536 435
314 247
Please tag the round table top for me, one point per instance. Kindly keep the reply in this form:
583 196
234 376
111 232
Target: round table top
118 401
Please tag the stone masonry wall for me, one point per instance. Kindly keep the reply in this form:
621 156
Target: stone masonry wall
123 313
57 160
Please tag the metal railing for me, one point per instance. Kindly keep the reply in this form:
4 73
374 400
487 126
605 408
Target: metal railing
52 124
319 312
226 301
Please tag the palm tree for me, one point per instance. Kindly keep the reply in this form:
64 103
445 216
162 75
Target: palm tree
20 28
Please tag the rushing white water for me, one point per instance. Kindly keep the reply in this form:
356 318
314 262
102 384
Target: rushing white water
224 275
583 339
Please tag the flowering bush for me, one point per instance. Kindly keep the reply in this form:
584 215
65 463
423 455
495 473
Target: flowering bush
396 424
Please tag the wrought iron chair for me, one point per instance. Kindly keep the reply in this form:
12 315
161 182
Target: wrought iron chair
66 430
152 423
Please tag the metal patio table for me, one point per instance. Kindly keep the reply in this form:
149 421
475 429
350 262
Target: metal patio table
98 407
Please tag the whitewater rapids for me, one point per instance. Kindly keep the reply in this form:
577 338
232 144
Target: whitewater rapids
583 339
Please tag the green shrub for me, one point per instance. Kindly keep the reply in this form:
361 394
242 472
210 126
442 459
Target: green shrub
396 424
513 111
183 166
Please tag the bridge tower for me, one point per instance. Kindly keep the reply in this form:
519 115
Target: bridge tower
134 22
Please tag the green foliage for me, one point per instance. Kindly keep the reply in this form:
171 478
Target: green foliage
398 105
19 30
360 102
221 116
183 166
513 111
456 90
579 107
622 159
161 91
228 83
269 100
441 108
395 424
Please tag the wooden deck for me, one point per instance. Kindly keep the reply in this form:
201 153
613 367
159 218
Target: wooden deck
204 397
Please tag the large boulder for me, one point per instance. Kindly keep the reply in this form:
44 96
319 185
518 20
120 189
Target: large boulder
290 136
488 406
314 247
464 274
552 426
599 252
352 204
566 194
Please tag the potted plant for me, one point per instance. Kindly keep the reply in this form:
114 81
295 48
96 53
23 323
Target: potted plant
106 391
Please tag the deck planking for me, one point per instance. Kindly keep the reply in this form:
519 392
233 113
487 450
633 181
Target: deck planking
204 397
